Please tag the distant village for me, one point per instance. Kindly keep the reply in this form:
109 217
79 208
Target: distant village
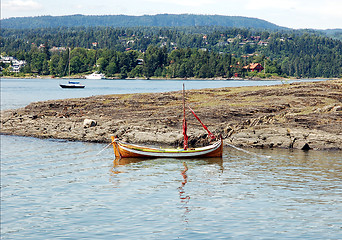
14 64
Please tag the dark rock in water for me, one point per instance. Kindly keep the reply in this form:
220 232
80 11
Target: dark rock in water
306 147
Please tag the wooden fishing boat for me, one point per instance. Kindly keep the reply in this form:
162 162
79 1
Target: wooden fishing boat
126 150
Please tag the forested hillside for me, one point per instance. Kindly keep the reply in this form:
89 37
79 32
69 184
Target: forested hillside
201 52
333 33
159 20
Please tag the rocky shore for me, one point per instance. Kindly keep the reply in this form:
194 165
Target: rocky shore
299 115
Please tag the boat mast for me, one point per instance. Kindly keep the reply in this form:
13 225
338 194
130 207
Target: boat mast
69 63
185 144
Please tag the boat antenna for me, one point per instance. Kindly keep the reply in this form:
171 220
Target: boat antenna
185 144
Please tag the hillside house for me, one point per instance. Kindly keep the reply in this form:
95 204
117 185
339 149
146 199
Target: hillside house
57 49
262 43
15 65
252 67
7 59
140 61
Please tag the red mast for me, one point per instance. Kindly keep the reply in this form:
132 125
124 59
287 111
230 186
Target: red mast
184 123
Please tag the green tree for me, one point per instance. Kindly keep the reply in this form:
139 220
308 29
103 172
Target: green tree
53 65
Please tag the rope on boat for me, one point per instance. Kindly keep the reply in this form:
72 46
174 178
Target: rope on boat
248 152
104 148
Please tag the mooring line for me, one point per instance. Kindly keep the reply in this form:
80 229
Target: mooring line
104 148
248 152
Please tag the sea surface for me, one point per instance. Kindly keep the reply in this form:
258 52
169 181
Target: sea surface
56 189
17 93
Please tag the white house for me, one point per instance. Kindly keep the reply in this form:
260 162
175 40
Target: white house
16 65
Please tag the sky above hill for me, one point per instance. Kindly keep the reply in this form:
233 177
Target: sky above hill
317 14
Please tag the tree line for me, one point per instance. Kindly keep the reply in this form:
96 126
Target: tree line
154 62
174 52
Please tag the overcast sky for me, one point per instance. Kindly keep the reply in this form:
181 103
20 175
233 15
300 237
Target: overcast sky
317 14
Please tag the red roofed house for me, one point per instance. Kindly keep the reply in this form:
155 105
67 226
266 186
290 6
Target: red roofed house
254 67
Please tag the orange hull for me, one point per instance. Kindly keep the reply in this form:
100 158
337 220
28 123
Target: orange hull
125 150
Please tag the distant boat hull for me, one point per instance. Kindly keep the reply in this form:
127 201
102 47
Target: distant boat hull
72 85
125 150
95 76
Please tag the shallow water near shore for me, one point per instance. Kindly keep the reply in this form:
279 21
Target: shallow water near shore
53 189
56 189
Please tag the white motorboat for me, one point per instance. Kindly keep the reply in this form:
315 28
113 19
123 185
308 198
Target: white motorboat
95 75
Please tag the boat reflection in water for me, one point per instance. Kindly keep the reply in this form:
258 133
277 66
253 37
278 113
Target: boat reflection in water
152 168
117 162
182 195
124 161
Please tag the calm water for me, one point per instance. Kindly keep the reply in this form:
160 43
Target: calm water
17 93
54 189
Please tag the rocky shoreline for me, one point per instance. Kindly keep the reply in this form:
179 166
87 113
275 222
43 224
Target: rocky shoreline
298 115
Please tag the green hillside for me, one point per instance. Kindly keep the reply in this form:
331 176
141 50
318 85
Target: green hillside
159 20
200 52
333 33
